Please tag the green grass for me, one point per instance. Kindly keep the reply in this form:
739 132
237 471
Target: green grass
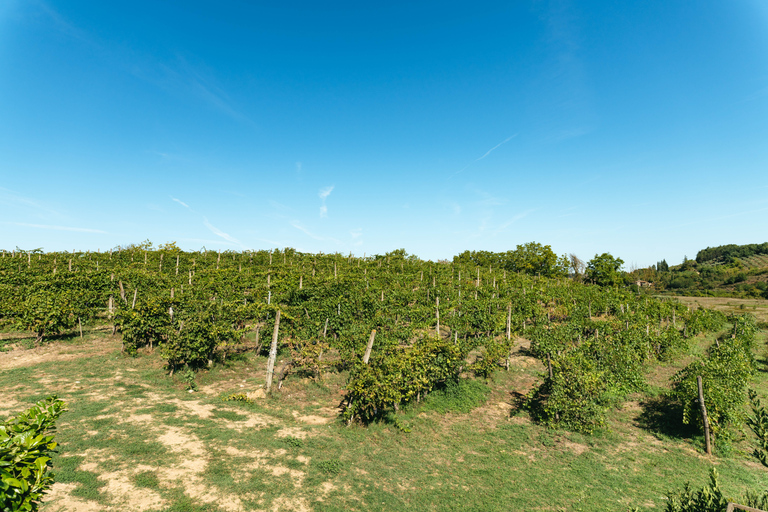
147 479
465 450
463 395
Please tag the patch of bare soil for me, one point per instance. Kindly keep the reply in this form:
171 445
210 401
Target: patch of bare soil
56 352
287 504
129 497
185 471
8 406
328 416
59 499
575 448
296 432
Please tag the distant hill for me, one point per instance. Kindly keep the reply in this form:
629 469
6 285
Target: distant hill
724 271
750 255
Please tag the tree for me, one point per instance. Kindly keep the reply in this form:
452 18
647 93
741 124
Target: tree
603 270
577 265
536 259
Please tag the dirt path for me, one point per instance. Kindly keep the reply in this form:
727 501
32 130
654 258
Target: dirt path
57 351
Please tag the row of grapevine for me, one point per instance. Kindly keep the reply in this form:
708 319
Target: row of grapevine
429 317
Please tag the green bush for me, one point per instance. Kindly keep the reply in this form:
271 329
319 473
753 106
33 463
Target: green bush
26 444
738 278
682 282
709 498
758 423
147 323
400 376
47 312
576 395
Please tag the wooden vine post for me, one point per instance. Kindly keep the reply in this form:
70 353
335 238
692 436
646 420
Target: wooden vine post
509 332
509 321
272 353
704 415
369 347
734 506
437 315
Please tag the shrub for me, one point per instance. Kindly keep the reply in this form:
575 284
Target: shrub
682 282
26 443
576 394
47 312
709 498
758 423
399 376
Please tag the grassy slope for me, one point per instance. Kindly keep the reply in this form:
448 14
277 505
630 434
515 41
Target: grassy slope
131 431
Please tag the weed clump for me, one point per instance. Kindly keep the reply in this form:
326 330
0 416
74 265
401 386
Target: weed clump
238 397
330 467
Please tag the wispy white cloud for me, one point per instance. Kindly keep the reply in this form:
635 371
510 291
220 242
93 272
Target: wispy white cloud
170 157
356 233
756 95
64 25
177 76
281 208
296 224
304 230
11 198
570 133
514 219
205 241
216 231
204 87
323 195
489 199
57 228
182 203
276 243
497 146
485 154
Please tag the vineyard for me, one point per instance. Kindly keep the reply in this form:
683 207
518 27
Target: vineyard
391 329
756 261
426 322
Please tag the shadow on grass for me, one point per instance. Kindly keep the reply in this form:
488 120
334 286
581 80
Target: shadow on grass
533 403
663 415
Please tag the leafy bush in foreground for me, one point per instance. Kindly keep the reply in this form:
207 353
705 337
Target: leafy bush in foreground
26 443
710 498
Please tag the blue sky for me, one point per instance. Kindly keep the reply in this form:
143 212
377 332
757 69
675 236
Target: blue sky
636 128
